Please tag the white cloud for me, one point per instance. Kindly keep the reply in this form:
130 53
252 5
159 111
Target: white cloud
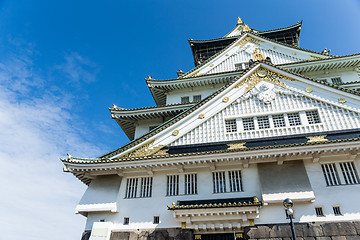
37 199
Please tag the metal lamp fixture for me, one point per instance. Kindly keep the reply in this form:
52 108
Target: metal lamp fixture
288 204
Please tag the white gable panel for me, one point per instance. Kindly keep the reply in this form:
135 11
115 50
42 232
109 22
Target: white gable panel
332 118
244 54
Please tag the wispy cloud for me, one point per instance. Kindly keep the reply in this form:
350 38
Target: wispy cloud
36 128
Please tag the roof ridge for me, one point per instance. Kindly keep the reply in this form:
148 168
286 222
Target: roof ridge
314 60
150 107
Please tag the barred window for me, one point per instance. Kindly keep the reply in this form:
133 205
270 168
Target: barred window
313 117
230 125
349 173
248 124
126 220
279 121
319 212
185 99
156 220
191 183
330 174
235 181
146 187
131 187
294 119
337 211
197 98
219 182
336 80
172 185
263 122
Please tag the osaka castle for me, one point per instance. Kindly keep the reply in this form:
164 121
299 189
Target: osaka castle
256 121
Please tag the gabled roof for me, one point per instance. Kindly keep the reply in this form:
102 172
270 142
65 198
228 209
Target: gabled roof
193 71
147 138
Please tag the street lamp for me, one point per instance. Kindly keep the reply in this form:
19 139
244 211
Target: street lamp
288 204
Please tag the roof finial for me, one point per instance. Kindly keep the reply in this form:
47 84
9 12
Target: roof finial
239 21
326 52
246 28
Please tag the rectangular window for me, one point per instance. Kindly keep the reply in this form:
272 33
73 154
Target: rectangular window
235 181
185 100
241 66
191 183
263 122
313 117
279 121
156 219
219 182
197 98
349 173
336 80
330 174
294 119
172 185
131 188
319 212
126 220
337 211
248 124
146 186
230 125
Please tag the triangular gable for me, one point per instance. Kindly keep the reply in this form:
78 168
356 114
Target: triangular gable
242 50
255 81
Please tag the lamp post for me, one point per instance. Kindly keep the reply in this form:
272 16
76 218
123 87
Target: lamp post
288 204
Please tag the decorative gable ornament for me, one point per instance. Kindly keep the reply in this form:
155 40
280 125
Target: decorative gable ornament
258 56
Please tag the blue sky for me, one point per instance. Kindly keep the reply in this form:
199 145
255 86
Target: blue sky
63 63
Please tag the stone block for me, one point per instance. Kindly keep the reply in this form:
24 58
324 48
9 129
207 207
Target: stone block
357 226
307 238
120 236
338 238
258 232
353 237
322 238
308 230
338 229
281 231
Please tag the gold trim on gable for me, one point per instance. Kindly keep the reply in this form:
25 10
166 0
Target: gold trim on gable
262 74
236 145
319 138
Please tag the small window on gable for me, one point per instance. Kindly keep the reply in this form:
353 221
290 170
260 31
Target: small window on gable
230 125
248 124
263 122
294 119
126 220
337 211
197 98
156 219
241 66
279 121
313 117
336 80
319 212
185 99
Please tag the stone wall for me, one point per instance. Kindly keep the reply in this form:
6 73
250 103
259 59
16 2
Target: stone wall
157 234
305 231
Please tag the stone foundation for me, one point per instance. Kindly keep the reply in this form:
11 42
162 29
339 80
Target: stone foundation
305 231
156 234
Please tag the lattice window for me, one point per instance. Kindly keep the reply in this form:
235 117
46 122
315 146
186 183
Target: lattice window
313 117
294 119
235 181
248 124
279 121
241 66
219 182
131 188
190 183
146 187
336 80
263 122
197 98
230 125
330 174
349 173
337 210
319 212
185 99
172 185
